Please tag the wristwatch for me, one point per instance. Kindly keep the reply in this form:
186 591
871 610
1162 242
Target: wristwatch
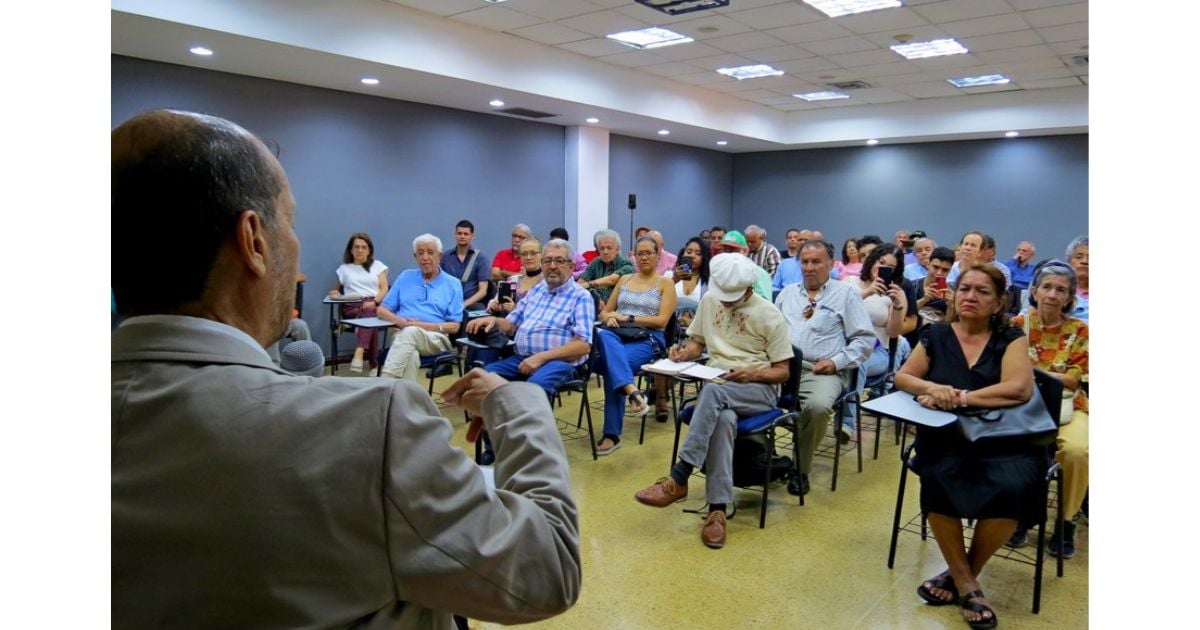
629 318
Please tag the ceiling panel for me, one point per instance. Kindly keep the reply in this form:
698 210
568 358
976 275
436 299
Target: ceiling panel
779 53
932 89
439 7
496 18
840 46
550 33
755 40
1054 16
999 41
865 58
634 59
956 10
776 15
986 26
700 28
1050 83
602 23
1064 33
554 9
1015 54
814 32
895 20
596 47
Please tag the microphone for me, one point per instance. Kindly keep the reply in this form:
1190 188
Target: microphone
303 358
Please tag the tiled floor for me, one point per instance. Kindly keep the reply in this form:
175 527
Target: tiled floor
821 565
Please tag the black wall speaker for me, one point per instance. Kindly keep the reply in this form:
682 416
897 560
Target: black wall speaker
632 201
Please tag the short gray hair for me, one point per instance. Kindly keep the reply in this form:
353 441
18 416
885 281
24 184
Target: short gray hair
606 235
754 229
427 238
558 242
1080 241
524 228
1058 268
924 238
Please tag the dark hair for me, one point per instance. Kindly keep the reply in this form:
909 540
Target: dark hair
648 239
790 230
717 228
999 320
944 254
845 252
705 256
465 224
988 242
560 233
870 239
196 173
981 235
879 252
348 255
818 242
1055 267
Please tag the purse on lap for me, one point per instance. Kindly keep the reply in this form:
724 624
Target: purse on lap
1028 418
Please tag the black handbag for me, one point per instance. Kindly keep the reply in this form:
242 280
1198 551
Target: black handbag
631 332
1028 418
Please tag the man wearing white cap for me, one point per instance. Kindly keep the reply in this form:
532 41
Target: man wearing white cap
748 337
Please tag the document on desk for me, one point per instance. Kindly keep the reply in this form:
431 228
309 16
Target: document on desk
367 322
685 368
902 405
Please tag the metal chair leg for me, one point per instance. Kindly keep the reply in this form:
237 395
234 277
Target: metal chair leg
896 517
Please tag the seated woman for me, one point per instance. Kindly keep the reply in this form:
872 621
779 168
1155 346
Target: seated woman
1077 257
974 360
1058 344
362 275
691 282
644 299
530 251
850 264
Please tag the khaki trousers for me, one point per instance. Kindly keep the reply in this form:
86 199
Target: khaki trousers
408 346
1073 456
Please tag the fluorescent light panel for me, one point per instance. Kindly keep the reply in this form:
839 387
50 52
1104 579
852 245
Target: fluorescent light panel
647 38
983 79
838 8
935 48
821 96
200 50
750 72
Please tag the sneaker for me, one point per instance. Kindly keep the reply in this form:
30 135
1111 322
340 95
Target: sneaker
1019 538
356 364
664 492
712 534
798 484
1068 545
843 435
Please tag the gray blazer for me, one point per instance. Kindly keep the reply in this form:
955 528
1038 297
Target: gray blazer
243 496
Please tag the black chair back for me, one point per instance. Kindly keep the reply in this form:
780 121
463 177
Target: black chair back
1051 390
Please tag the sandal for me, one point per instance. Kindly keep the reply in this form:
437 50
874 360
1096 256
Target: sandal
601 451
987 623
637 405
942 581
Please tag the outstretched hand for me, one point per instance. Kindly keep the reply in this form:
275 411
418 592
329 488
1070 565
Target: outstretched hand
468 392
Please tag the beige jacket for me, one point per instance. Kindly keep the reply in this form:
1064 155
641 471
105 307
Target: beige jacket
245 497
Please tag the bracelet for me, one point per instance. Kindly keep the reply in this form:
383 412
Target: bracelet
962 398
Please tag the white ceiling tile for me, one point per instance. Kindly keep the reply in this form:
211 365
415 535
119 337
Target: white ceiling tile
1050 83
1028 5
865 58
1020 76
758 93
439 7
1073 65
742 5
956 10
985 26
814 32
899 79
746 41
840 103
496 18
947 61
595 47
652 16
785 14
685 52
550 33
1038 63
895 20
1084 78
779 53
634 59
932 89
672 69
1015 39
1079 47
842 45
554 9
919 34
737 86
801 66
777 100
724 26
1054 16
602 23
1064 33
720 61
1015 54
702 78
880 95
984 89
798 105
887 69
609 4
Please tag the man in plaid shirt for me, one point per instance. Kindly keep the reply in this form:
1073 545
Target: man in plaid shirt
552 325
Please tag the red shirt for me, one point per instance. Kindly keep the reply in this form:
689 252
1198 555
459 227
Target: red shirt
507 261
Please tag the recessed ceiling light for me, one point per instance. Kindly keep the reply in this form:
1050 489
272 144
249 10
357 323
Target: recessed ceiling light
369 81
647 38
821 96
722 143
750 72
983 79
872 142
495 1
663 132
935 48
200 50
838 8
496 102
593 120
1011 134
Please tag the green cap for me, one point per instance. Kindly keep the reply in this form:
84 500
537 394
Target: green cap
735 237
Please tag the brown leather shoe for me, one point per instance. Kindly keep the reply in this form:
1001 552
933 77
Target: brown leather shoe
713 532
664 492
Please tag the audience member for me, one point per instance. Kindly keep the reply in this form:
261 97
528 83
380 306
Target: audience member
603 273
733 242
468 266
747 337
247 497
361 275
691 283
426 305
516 287
715 235
865 245
795 238
922 248
640 303
507 262
975 247
1077 257
704 235
976 360
552 325
935 289
1020 266
666 260
761 252
851 262
904 243
579 262
829 325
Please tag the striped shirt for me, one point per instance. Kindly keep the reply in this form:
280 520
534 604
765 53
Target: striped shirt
639 303
547 319
766 257
839 328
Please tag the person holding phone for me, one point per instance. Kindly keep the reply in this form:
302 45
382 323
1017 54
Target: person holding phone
510 291
934 291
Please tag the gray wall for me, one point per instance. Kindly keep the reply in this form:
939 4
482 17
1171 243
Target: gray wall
680 190
359 163
1013 189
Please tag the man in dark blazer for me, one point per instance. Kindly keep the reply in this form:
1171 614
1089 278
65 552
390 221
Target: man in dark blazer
243 496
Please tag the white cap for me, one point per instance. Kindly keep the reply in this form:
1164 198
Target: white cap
730 275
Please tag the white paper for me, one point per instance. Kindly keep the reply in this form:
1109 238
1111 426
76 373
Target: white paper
367 322
667 366
902 406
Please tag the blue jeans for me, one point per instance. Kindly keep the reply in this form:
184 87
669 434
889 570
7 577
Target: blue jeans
549 376
876 365
618 360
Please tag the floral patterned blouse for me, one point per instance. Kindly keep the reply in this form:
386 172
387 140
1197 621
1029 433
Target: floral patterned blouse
1062 349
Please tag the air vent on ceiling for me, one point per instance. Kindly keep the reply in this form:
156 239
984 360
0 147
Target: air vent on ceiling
526 113
679 7
1080 60
849 85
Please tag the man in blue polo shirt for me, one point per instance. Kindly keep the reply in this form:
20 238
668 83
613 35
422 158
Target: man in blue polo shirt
468 266
426 305
1020 266
552 325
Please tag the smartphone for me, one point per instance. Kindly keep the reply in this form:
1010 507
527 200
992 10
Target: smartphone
686 268
505 290
940 283
885 273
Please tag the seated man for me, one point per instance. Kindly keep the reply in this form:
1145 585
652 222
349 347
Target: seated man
917 270
933 293
666 260
426 305
976 247
552 323
603 273
761 252
733 242
830 326
749 338
507 262
1020 266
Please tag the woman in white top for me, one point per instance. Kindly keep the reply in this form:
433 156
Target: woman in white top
361 275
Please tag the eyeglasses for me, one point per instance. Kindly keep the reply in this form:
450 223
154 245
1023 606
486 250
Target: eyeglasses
531 253
518 235
555 261
810 309
644 254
